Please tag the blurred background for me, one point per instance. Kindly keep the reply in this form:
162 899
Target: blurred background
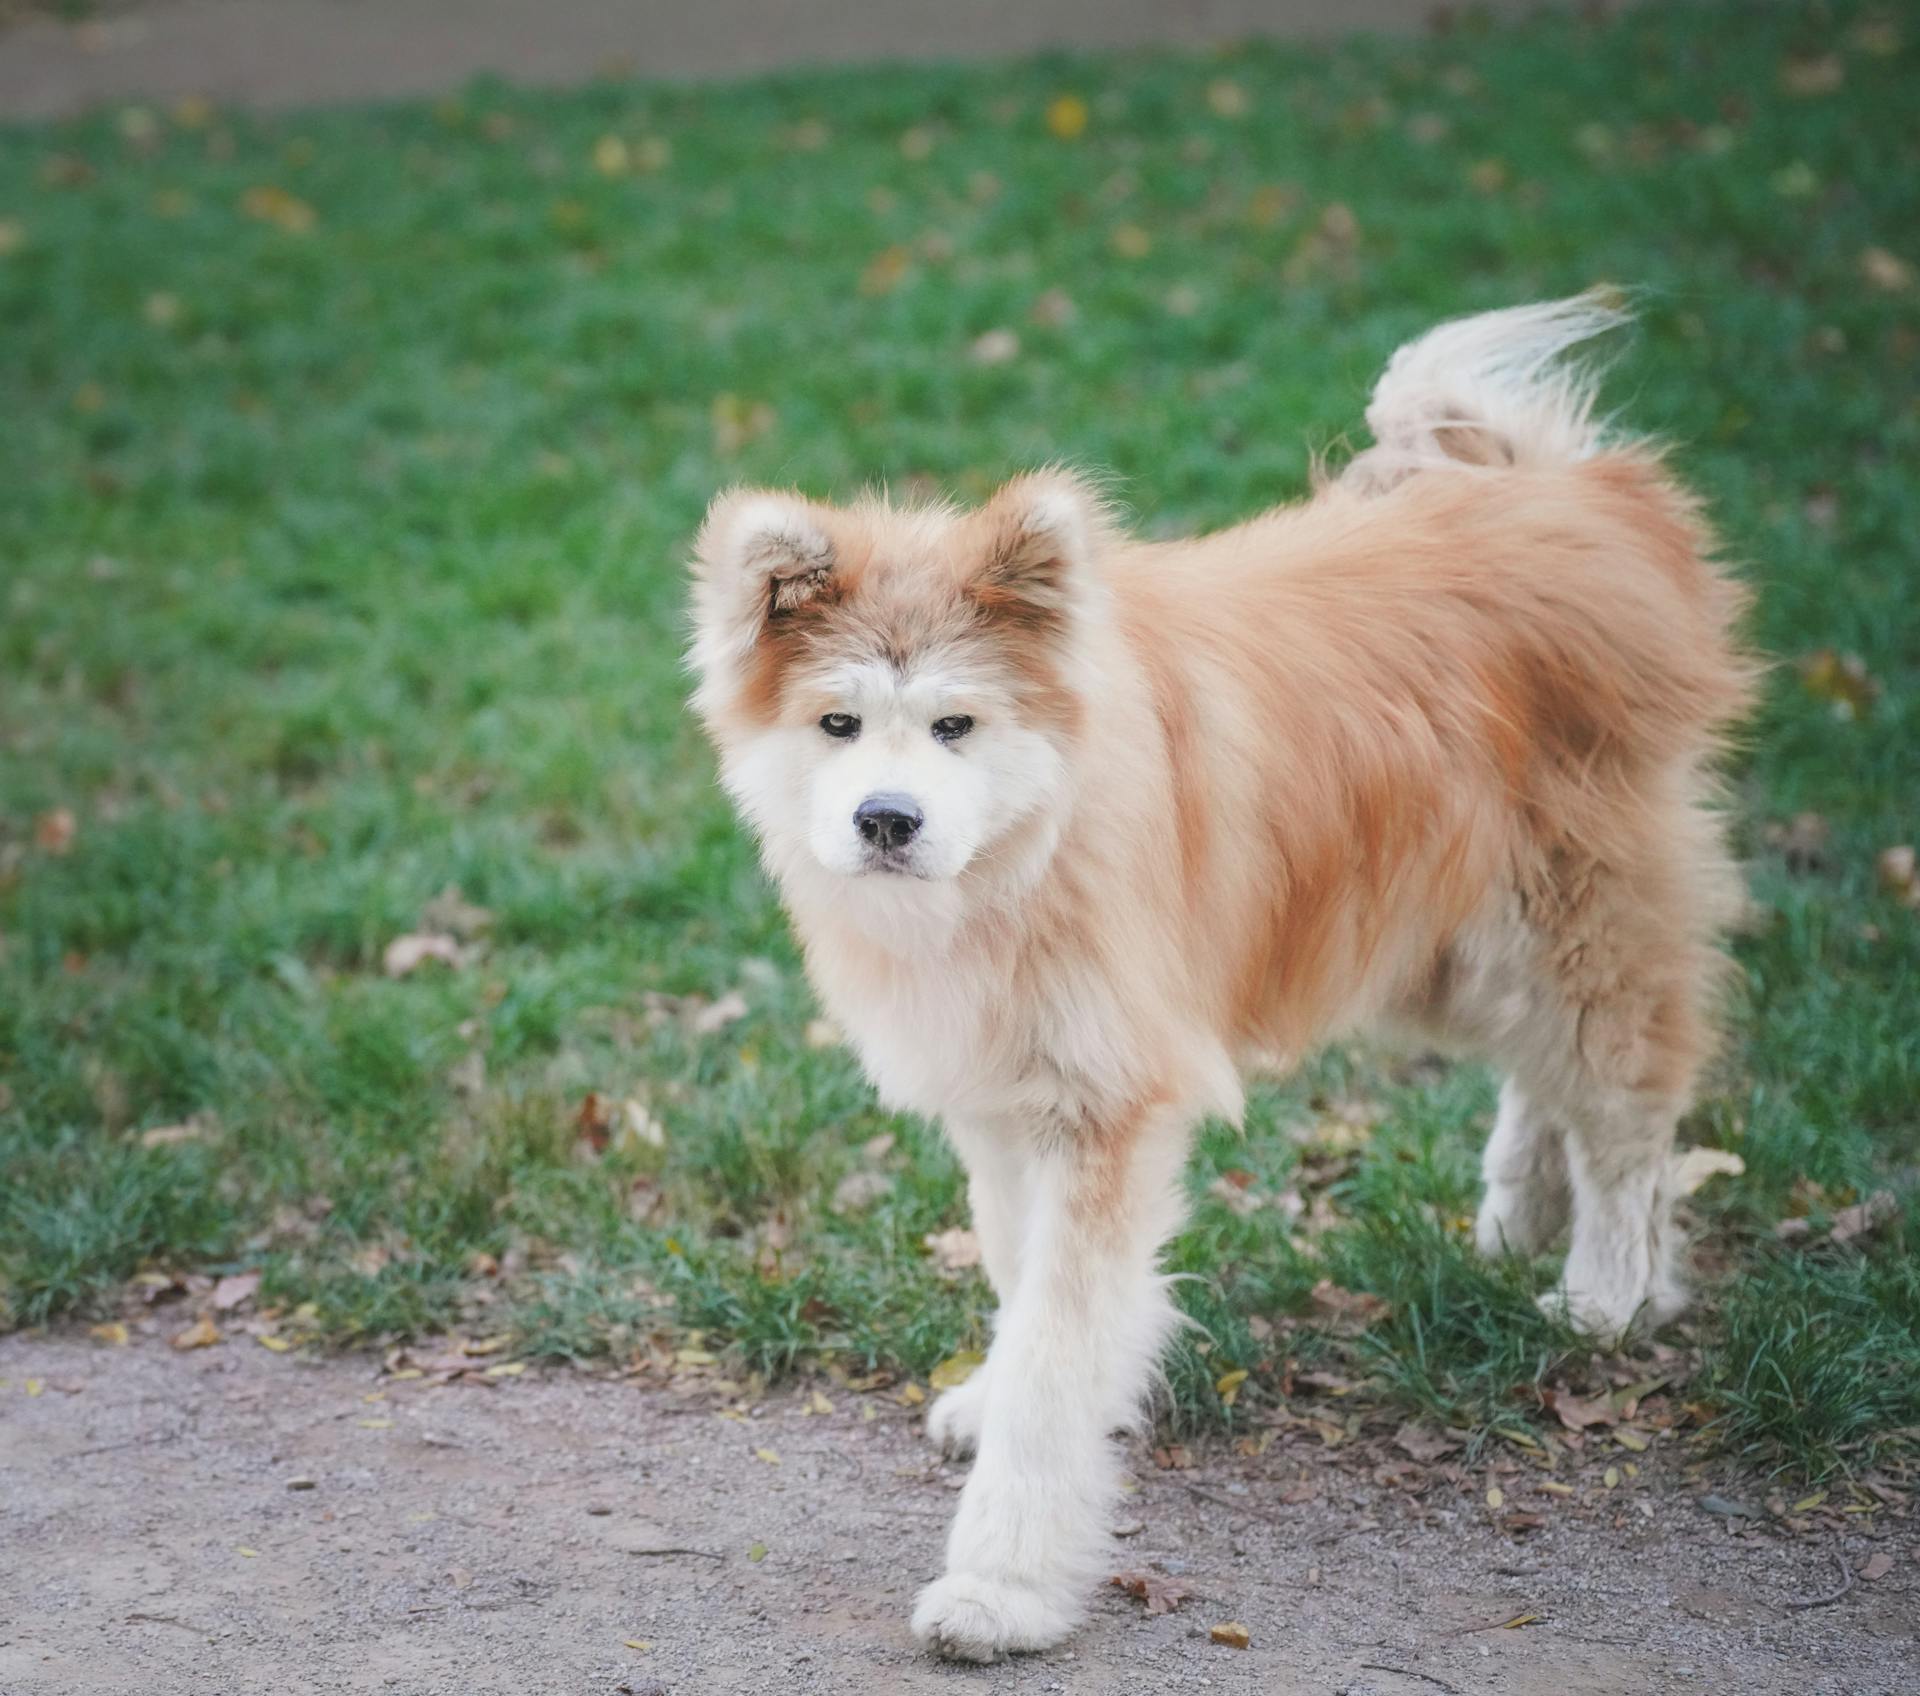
369 919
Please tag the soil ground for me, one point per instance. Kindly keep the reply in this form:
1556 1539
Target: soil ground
285 53
523 1534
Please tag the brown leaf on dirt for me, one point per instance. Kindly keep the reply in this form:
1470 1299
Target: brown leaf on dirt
235 1290
1346 1312
1864 1217
1422 1444
1231 1633
405 954
1154 1591
1576 1413
1877 1566
953 1250
199 1335
112 1333
1173 1457
54 831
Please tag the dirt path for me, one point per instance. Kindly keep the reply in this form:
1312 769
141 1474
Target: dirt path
465 1539
279 53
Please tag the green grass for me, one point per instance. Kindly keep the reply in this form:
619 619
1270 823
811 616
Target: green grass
342 565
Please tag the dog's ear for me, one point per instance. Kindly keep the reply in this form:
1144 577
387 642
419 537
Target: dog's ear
1036 540
761 557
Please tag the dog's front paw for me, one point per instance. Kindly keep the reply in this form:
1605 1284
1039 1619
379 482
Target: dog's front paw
968 1617
953 1422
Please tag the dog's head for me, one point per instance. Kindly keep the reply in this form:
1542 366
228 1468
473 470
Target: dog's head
891 690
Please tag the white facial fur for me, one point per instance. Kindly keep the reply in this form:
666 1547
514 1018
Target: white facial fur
801 787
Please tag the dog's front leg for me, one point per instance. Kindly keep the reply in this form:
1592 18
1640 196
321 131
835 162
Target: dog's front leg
1077 1342
997 1155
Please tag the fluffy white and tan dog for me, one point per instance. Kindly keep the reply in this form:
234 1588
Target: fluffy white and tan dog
1073 826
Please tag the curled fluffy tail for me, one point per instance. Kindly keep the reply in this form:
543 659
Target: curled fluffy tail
1495 389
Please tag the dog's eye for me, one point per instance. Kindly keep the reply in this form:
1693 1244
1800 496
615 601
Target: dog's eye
842 725
951 729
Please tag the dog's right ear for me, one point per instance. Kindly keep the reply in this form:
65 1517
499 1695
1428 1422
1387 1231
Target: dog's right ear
762 557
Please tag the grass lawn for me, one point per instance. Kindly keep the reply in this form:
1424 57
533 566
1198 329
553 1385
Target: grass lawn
348 464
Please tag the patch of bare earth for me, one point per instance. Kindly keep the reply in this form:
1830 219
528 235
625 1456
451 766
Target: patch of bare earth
230 1519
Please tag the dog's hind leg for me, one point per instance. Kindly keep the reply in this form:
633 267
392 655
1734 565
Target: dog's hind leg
1072 1359
1526 1202
999 1179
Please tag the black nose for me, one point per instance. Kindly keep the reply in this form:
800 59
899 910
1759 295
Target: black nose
887 821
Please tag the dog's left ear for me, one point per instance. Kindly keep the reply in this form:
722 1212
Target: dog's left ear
761 557
1036 539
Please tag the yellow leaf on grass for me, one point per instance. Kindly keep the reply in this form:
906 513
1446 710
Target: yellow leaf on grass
1807 1504
1131 242
956 1369
274 205
1067 116
1227 1385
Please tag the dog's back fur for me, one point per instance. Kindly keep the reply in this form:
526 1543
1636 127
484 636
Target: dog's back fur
1434 747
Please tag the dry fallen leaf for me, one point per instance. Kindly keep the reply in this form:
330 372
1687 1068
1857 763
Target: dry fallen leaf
824 1033
406 954
1899 876
995 347
113 1334
199 1335
1422 1444
717 1015
956 1369
1576 1413
1067 116
234 1290
859 1190
1864 1217
953 1250
1695 1166
1885 271
1160 1594
54 831
1232 1633
1807 77
1878 1565
1345 1312
1841 680
273 205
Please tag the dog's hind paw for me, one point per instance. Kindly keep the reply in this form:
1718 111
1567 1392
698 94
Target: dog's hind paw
967 1617
953 1422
